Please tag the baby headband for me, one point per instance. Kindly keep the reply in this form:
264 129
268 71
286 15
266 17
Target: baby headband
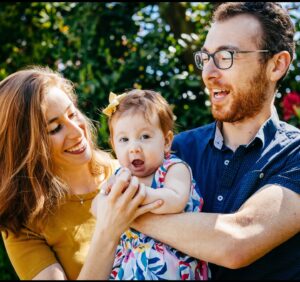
114 101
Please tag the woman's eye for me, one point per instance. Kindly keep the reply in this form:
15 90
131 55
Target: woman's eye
55 130
123 139
145 136
74 114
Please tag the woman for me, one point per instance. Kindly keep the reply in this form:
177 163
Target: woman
50 172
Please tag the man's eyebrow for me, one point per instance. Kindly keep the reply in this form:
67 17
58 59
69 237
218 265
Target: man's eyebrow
56 118
222 47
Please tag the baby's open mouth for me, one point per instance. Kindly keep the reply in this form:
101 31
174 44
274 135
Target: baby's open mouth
137 163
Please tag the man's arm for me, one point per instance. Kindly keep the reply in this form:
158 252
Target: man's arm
268 218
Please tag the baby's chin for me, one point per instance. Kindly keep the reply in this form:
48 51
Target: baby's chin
143 174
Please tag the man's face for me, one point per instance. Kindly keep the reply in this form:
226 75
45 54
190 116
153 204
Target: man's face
241 91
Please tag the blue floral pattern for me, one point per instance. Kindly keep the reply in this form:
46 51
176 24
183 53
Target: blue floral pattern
139 257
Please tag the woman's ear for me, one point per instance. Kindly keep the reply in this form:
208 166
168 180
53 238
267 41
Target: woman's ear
279 65
168 141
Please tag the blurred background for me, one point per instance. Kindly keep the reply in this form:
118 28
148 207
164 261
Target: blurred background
112 46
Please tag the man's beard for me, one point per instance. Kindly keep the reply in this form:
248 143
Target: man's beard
246 103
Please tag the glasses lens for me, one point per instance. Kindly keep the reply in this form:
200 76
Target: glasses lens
200 59
223 59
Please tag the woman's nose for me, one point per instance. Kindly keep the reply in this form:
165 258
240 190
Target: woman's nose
75 129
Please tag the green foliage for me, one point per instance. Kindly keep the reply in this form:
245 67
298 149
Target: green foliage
6 270
114 46
292 80
105 47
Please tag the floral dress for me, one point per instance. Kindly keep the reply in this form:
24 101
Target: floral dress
139 257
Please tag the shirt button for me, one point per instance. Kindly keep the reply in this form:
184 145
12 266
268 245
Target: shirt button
261 175
220 198
226 162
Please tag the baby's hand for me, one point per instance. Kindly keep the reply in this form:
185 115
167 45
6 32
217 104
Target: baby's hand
105 188
123 169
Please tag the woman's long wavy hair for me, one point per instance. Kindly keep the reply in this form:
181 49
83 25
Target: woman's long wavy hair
29 188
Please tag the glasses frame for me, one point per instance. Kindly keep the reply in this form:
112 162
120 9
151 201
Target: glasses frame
231 52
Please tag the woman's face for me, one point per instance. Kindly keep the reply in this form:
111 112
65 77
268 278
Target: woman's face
68 132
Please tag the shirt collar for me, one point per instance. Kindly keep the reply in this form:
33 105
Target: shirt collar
265 133
218 137
269 128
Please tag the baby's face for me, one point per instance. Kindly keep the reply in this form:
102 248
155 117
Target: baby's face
139 144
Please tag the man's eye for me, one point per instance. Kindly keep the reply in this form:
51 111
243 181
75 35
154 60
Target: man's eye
145 136
224 55
55 130
225 59
123 139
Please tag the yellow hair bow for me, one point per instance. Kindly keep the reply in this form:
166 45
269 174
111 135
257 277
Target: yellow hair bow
114 101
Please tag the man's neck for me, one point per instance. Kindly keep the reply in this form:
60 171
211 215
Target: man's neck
243 132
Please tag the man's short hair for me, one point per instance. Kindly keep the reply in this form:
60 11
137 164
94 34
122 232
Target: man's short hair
277 28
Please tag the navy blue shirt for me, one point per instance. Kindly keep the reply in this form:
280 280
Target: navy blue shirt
226 179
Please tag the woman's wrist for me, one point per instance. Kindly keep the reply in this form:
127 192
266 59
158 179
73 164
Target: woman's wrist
106 234
99 262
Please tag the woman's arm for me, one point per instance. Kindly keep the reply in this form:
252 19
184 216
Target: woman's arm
52 272
175 193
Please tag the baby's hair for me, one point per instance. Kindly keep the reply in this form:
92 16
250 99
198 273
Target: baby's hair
147 102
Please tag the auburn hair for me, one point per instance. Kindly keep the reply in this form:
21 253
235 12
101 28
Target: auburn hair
29 187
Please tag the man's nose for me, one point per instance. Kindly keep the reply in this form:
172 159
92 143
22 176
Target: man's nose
210 71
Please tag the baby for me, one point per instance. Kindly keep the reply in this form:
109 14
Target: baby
141 133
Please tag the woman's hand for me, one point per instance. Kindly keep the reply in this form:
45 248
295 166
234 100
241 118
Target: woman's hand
119 203
115 207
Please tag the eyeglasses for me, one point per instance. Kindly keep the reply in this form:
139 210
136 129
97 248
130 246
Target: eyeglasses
223 59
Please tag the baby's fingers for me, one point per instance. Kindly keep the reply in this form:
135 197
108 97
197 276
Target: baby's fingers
120 184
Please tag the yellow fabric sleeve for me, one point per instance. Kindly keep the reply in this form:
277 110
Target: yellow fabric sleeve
28 253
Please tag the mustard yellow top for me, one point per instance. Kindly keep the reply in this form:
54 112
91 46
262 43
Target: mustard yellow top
65 239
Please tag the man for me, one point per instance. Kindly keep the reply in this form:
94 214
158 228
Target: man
247 163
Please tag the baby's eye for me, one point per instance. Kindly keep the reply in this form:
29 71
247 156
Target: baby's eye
55 130
123 139
145 136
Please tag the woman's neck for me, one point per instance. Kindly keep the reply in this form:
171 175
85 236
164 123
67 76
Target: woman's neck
81 181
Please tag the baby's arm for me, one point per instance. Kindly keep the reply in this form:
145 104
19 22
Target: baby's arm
175 193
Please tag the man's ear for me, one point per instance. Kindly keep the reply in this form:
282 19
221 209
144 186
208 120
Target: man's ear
168 141
279 65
